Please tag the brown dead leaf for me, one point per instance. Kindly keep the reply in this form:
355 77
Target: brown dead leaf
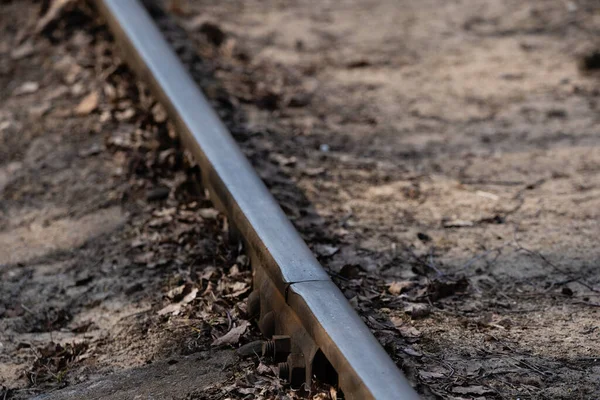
208 213
125 114
88 104
144 258
233 336
234 270
178 293
159 113
210 288
476 390
398 287
56 93
434 373
405 329
333 393
193 24
426 375
440 289
161 221
208 273
24 50
237 289
265 369
412 351
39 110
457 223
175 308
27 88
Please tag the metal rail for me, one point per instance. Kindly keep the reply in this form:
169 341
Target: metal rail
311 326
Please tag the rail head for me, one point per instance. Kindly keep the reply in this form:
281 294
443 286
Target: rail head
293 295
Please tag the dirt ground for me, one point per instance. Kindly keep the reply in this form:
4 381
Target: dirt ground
440 158
117 280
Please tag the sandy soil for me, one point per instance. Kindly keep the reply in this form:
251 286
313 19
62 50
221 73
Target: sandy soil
442 160
116 275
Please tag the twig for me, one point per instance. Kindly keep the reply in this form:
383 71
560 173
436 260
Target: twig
549 263
27 309
587 304
428 264
229 320
431 263
484 255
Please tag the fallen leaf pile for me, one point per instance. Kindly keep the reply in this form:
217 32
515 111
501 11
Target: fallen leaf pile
53 360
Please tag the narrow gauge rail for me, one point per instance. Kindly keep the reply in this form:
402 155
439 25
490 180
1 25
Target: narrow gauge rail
311 326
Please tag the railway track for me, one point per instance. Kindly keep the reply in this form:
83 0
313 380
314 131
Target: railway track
312 330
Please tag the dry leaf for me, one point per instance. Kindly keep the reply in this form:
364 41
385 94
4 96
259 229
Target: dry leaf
178 291
439 289
471 390
144 258
195 23
27 88
325 250
237 286
333 393
409 331
208 273
264 369
233 336
209 289
396 288
159 113
429 375
56 93
24 50
458 223
412 352
208 213
125 115
88 104
175 308
405 330
39 110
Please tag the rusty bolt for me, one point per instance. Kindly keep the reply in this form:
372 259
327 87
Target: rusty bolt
277 348
284 371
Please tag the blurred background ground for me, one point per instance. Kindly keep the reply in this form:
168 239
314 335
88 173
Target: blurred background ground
440 158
